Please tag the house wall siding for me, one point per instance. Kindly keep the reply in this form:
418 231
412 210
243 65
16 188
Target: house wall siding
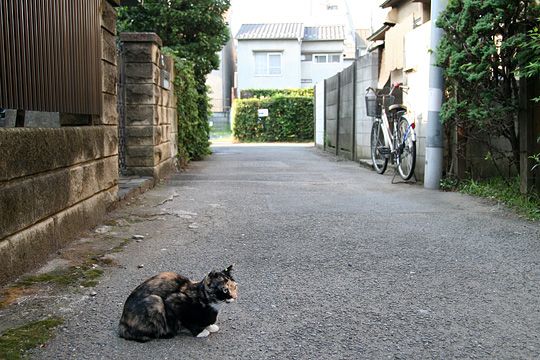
290 64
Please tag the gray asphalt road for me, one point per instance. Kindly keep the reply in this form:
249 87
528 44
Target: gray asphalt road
333 262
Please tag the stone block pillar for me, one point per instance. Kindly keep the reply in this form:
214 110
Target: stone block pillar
150 107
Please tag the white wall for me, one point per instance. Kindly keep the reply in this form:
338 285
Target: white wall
320 71
290 64
417 43
319 114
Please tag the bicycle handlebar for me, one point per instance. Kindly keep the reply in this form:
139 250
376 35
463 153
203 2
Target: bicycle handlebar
392 88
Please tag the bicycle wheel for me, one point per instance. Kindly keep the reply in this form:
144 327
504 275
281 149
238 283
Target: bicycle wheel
406 149
380 161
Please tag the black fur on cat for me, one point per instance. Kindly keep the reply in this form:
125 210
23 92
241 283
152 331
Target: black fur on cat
161 305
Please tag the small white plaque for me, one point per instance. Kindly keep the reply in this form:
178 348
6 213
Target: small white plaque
263 112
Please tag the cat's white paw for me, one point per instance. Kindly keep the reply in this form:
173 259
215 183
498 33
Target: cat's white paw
203 333
212 328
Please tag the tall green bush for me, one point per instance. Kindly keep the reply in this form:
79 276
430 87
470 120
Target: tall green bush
481 52
290 119
192 128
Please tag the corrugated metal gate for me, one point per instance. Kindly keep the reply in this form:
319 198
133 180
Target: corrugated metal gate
339 129
51 56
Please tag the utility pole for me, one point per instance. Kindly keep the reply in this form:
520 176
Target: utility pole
434 144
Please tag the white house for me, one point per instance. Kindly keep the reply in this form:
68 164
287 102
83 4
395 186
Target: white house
288 55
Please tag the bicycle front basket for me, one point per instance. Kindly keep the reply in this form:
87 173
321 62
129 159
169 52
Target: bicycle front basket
373 105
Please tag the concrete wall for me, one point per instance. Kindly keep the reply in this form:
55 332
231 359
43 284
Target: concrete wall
55 182
220 81
290 64
150 110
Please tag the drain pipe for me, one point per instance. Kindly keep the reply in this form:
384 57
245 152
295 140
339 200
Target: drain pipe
434 142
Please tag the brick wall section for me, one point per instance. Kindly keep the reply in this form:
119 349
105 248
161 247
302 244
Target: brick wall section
55 183
150 110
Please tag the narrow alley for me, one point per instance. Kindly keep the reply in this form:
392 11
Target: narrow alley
332 260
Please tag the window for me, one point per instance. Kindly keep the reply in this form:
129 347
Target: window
334 58
307 57
267 63
320 58
327 58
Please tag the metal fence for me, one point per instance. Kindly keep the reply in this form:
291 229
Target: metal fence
51 53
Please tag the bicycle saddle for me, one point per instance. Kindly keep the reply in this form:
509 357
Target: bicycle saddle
397 107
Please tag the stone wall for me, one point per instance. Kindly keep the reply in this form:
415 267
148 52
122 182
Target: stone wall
150 106
56 182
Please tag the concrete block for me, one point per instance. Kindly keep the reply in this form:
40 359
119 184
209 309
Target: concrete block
141 135
30 151
108 46
141 53
142 73
146 151
27 249
162 152
139 115
142 94
33 199
109 79
141 37
140 170
109 115
108 17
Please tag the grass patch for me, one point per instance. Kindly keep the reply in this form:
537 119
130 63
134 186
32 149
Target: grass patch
15 342
76 275
120 247
506 192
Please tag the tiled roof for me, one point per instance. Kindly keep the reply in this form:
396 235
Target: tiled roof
270 31
322 33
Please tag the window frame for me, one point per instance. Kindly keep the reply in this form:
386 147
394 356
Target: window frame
268 67
327 57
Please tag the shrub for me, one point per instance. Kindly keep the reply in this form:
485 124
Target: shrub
192 125
290 119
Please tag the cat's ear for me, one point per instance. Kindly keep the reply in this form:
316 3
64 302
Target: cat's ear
228 270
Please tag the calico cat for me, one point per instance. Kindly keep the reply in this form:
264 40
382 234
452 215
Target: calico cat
161 305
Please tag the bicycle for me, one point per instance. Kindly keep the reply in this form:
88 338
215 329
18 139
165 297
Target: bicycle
398 144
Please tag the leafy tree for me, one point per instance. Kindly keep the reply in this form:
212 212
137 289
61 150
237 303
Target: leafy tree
191 30
482 51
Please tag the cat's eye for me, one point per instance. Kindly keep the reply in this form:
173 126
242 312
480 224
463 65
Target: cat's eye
225 290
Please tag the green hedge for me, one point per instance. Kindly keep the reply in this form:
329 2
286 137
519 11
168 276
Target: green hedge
290 119
193 125
260 93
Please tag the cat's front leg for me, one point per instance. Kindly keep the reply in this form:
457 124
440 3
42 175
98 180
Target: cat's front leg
212 328
203 333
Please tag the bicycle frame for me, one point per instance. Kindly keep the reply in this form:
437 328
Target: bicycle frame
389 137
398 139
